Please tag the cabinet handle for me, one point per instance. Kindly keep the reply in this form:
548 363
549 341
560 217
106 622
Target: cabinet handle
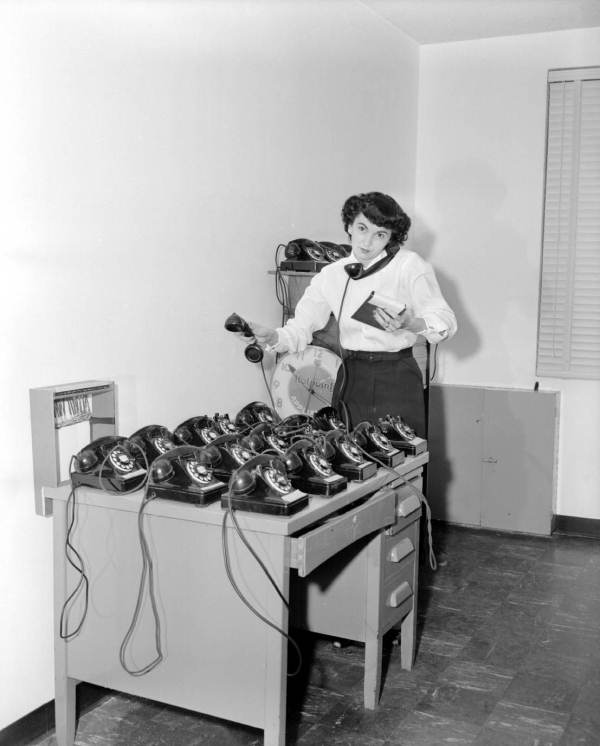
399 596
408 506
401 550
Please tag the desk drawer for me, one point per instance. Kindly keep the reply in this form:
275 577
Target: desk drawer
315 547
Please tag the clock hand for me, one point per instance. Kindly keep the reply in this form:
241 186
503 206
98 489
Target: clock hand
310 389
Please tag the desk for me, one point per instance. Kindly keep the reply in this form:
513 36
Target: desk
219 658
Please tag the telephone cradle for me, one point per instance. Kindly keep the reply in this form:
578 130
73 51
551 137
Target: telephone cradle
262 485
111 462
402 436
185 474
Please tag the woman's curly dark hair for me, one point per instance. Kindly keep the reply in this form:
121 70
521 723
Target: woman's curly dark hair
381 210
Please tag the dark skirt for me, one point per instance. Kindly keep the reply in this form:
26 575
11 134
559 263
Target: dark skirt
373 385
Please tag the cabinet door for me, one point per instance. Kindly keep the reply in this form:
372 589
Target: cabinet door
454 470
519 460
493 457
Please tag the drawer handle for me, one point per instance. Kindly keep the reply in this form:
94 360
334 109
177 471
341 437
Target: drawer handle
401 550
408 506
399 596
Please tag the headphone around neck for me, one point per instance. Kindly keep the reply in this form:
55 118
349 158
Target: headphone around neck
356 270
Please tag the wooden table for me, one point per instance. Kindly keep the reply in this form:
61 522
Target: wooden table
219 658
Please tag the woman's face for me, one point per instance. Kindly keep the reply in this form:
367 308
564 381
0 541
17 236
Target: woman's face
368 240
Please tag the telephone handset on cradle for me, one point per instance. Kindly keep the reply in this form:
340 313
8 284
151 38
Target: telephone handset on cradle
401 435
111 462
197 431
303 255
262 485
254 413
224 424
372 440
269 434
310 470
234 452
296 426
327 418
347 458
154 440
186 474
234 323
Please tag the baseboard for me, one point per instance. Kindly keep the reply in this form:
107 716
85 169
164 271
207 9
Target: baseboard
575 526
40 722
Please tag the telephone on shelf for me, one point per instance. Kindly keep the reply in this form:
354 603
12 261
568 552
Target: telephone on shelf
262 485
197 431
303 255
186 474
335 251
154 440
401 435
310 470
346 457
371 439
111 462
327 418
254 413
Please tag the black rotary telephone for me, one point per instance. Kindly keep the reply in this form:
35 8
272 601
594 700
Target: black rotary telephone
327 418
347 458
304 255
186 474
268 433
234 323
254 413
111 462
295 426
224 424
198 431
262 485
371 439
234 452
401 435
310 470
154 440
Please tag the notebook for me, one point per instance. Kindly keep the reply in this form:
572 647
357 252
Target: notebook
366 311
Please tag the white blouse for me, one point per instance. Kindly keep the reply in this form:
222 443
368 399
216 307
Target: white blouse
408 278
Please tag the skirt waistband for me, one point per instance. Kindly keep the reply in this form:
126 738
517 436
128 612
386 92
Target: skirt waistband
375 357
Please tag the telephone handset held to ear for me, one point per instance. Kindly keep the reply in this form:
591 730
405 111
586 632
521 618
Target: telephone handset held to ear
262 485
234 323
186 474
111 462
357 271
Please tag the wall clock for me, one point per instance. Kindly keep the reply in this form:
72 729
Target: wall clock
303 382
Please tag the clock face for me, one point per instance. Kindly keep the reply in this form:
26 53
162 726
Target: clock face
303 382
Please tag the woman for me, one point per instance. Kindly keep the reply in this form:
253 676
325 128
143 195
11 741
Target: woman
380 375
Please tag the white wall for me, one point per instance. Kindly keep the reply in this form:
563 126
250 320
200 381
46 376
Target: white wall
480 168
153 155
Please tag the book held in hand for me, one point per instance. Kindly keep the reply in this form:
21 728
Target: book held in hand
366 311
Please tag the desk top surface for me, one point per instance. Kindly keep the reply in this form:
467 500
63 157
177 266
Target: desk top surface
318 509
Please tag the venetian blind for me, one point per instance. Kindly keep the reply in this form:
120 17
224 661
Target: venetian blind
569 314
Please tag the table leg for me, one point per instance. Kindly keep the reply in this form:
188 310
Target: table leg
64 686
64 710
408 636
372 683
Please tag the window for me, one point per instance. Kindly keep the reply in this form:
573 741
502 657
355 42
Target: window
569 314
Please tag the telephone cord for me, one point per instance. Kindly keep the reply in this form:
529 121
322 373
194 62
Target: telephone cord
147 572
83 581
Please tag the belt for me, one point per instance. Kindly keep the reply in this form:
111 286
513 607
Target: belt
375 357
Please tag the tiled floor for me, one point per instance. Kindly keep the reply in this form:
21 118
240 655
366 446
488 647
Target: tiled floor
508 653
